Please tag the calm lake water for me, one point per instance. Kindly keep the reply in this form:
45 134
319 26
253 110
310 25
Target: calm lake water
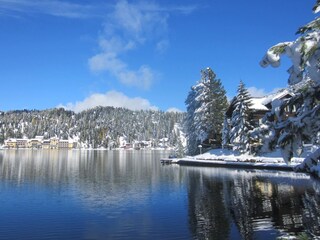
51 194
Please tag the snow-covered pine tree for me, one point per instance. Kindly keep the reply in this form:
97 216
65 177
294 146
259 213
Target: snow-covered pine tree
191 105
212 104
206 105
97 127
215 105
226 132
240 121
304 78
200 113
179 149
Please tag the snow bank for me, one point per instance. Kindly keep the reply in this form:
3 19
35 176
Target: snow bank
308 162
229 155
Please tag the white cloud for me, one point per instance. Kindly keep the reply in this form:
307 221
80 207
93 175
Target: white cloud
140 20
48 7
129 26
142 78
112 99
255 92
125 12
115 45
107 62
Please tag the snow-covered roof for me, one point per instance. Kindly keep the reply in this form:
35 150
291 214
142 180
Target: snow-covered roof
260 103
257 104
277 95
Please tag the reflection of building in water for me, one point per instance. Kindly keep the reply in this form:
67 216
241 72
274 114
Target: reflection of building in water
266 188
254 204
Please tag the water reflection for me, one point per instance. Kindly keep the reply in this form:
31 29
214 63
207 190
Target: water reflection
90 194
128 194
106 176
231 204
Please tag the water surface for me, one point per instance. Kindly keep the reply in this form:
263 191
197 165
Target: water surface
52 194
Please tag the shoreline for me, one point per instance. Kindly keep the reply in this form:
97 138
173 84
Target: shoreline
232 164
225 158
89 149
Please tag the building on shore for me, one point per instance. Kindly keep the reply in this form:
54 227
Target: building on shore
40 142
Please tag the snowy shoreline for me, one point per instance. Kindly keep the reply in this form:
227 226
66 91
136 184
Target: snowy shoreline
232 164
91 149
229 159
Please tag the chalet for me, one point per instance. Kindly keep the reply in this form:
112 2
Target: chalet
262 105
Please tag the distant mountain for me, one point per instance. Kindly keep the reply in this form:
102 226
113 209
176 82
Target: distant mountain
97 127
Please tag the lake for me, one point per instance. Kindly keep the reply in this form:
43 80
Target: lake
79 194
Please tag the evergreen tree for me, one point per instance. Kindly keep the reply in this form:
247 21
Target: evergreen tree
206 104
179 149
240 120
97 127
226 132
304 80
213 107
192 105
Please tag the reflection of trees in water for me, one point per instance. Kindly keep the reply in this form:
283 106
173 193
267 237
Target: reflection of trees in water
311 216
97 178
207 209
253 203
222 204
287 207
242 205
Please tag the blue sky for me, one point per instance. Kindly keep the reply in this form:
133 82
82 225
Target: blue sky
138 54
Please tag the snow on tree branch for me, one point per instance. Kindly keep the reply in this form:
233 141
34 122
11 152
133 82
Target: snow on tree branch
303 125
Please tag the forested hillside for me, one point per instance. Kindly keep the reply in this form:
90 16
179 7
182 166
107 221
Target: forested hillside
98 127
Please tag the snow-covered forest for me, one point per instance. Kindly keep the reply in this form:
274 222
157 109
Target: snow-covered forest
97 127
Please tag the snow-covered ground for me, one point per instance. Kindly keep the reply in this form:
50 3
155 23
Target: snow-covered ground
229 155
307 162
